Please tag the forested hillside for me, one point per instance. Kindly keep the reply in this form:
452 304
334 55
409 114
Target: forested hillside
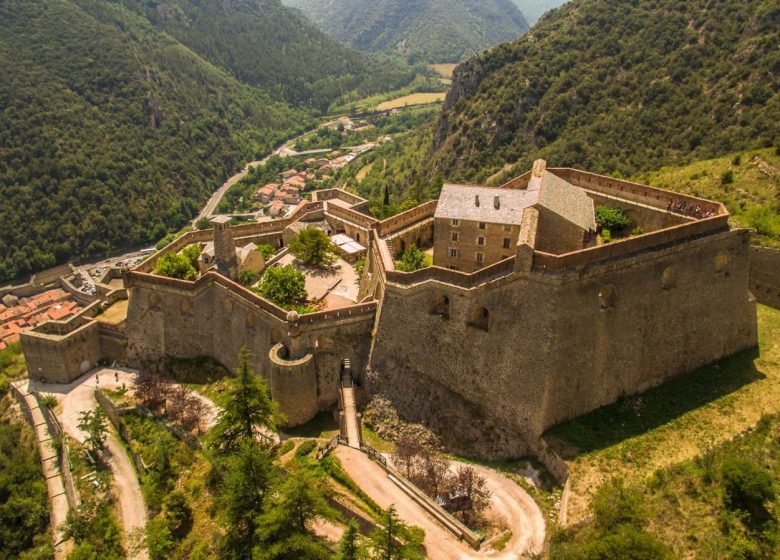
262 42
534 9
618 87
111 133
424 30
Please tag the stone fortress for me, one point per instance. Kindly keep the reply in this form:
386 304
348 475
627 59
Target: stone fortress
524 321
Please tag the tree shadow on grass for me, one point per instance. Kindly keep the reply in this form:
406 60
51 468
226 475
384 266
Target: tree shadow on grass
635 415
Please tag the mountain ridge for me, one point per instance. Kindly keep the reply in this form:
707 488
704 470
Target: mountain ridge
434 31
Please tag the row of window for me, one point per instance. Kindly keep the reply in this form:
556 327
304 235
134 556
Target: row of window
482 225
455 236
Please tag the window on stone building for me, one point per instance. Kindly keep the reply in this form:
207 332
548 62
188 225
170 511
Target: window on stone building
453 252
507 242
480 240
454 268
482 225
454 236
455 222
480 257
357 237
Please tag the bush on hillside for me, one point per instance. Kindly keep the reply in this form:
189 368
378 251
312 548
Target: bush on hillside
746 486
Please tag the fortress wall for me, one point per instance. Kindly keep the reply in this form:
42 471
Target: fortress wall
293 382
520 182
625 247
62 358
404 219
633 192
330 194
646 217
479 389
765 275
550 352
420 233
218 318
628 325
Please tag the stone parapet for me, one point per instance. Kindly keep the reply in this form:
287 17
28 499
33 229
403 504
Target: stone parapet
404 219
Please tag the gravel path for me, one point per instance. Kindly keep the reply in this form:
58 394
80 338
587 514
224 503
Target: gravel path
79 396
519 511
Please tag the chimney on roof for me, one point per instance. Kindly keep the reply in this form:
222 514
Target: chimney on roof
496 202
540 166
476 200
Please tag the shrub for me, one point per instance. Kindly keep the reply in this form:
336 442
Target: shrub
305 448
637 231
626 543
615 505
284 285
159 540
192 253
411 260
360 265
313 247
727 178
286 447
175 266
612 218
267 251
178 513
737 160
606 235
50 401
746 486
203 223
248 277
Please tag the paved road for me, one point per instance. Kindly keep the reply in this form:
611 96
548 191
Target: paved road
283 150
79 396
519 511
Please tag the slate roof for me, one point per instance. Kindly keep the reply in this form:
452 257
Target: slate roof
545 190
459 202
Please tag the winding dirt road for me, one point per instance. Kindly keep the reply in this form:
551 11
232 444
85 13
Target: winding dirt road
78 397
509 501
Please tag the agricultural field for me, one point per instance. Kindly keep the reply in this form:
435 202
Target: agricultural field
413 99
673 423
443 70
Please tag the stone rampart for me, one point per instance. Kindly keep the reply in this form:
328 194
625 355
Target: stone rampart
634 192
647 241
765 275
581 338
216 317
404 219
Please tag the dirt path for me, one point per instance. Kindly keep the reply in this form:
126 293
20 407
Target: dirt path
79 396
519 511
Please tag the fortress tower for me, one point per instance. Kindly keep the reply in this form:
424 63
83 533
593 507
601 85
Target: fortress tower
224 247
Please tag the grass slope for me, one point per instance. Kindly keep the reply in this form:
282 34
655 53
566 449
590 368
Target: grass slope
674 422
748 183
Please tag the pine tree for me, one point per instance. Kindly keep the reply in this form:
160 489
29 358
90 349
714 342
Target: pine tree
248 407
284 527
242 491
349 548
394 540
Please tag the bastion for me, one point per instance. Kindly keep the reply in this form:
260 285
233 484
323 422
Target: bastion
530 315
